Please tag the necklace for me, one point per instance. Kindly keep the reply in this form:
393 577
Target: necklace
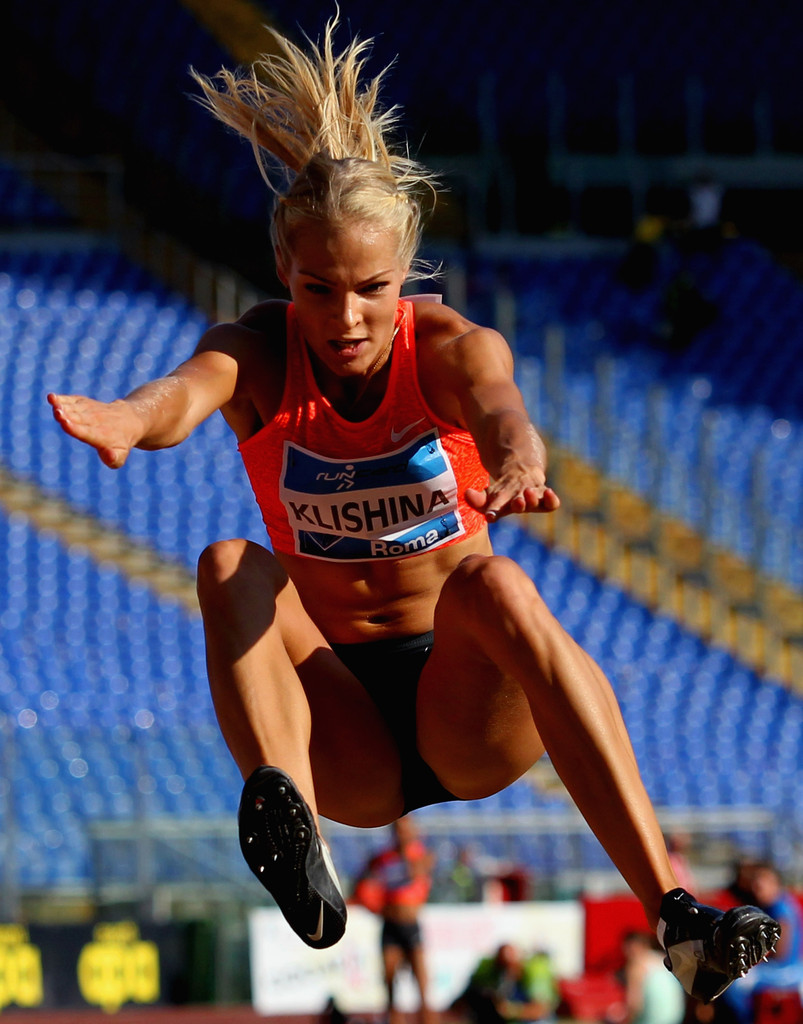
377 365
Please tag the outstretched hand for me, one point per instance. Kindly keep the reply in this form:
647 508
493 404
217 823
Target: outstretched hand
495 501
109 427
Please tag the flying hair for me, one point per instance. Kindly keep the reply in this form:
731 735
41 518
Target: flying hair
321 140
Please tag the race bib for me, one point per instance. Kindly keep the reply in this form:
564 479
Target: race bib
400 503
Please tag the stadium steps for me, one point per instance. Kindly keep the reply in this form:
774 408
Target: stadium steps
238 25
138 561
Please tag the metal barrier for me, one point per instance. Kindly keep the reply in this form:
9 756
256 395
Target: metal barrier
157 863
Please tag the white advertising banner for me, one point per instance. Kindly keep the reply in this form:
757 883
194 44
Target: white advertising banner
289 977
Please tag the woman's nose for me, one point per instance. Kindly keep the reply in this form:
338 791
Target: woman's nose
349 312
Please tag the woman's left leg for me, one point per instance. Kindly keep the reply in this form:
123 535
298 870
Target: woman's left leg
418 966
503 676
503 683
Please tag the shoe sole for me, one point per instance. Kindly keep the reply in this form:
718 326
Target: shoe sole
745 937
277 836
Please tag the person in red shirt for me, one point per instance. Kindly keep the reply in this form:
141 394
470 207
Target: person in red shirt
399 879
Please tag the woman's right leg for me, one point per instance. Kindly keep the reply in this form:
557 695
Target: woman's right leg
283 698
392 961
304 733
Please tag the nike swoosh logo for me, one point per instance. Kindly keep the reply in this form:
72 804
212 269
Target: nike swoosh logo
317 935
397 435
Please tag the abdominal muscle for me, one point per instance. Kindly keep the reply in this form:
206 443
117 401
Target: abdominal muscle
358 602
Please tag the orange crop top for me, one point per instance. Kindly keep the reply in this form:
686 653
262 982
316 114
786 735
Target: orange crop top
389 486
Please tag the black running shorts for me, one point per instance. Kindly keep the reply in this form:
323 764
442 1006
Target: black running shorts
405 935
389 670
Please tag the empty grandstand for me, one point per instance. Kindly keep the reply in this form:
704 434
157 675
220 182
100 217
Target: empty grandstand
115 785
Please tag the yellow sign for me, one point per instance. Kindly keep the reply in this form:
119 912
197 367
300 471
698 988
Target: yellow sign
118 967
20 968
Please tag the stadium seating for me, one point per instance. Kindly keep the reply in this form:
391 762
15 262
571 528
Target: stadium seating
88 322
102 682
723 412
22 204
105 705
102 685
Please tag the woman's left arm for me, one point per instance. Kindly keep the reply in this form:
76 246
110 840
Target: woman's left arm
475 369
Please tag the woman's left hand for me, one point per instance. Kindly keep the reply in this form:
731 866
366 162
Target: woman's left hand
502 499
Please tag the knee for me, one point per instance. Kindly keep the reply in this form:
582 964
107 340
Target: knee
482 581
488 593
219 562
228 563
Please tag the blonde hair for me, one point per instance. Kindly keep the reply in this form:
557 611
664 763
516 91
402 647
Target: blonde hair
322 142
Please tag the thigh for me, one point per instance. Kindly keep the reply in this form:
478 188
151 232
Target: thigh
355 764
418 964
475 724
392 959
390 670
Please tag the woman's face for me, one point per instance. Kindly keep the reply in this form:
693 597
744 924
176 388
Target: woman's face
345 283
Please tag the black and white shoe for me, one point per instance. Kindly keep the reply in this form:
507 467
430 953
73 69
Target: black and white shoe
282 847
708 949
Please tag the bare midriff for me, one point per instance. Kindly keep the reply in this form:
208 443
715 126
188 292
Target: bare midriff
401 913
362 601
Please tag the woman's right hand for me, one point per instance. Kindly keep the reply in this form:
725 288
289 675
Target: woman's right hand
111 428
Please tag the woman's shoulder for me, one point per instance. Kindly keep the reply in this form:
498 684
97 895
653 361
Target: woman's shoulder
266 321
253 350
452 354
446 340
435 321
267 317
443 328
257 336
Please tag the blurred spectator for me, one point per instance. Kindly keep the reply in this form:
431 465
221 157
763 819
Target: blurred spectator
509 986
639 268
705 203
741 887
784 969
651 994
463 881
512 885
704 227
678 845
687 311
396 884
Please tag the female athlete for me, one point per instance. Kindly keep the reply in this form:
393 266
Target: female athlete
381 657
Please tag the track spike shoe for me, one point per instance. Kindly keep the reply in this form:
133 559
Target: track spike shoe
708 949
282 847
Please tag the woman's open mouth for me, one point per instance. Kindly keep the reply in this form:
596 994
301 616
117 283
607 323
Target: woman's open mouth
347 348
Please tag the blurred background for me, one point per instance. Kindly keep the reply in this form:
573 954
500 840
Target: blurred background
624 201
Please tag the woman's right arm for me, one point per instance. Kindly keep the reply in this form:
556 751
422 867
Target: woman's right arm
163 412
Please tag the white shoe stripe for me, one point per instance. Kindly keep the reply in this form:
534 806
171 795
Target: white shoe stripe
317 935
330 867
